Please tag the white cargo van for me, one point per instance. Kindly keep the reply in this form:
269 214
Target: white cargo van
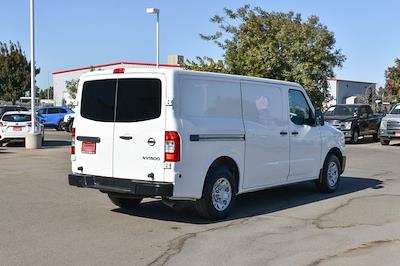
203 137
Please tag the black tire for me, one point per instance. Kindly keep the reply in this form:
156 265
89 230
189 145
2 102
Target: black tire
125 203
205 206
323 183
355 134
385 142
59 127
69 127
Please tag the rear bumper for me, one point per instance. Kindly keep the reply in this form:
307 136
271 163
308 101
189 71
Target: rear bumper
124 186
389 134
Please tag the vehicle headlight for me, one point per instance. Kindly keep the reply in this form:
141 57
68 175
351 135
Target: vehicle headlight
383 124
346 125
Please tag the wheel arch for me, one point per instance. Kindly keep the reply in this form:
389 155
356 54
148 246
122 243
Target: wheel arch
232 166
338 153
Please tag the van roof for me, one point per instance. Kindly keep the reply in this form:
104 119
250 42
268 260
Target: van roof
187 72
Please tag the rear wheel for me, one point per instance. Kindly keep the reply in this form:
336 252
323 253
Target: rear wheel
69 128
125 203
219 194
59 126
330 176
385 142
354 136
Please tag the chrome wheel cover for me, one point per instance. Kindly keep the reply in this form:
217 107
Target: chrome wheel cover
332 174
221 194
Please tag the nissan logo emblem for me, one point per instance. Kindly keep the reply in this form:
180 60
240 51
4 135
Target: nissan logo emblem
151 142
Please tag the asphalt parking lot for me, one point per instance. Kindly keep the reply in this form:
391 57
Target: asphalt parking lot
43 221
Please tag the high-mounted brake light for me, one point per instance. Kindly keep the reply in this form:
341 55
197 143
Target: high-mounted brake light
172 146
73 142
119 70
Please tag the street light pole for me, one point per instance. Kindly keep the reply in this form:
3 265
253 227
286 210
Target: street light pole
34 139
33 94
158 38
156 11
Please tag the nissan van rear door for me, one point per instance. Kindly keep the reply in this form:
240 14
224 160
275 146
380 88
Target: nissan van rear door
139 131
94 127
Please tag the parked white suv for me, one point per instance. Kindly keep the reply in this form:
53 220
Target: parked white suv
15 126
204 137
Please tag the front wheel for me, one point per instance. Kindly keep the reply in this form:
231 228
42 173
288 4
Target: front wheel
330 176
385 142
219 194
125 203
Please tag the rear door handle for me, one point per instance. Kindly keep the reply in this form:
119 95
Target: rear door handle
295 133
283 133
125 137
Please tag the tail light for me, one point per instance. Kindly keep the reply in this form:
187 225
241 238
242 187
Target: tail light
73 142
1 124
172 146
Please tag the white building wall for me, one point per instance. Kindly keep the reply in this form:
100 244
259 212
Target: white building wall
340 90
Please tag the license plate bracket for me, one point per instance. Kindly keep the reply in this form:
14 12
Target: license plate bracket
89 147
17 128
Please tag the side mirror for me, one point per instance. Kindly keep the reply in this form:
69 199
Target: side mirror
319 118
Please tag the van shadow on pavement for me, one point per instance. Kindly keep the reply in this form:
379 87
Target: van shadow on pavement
256 203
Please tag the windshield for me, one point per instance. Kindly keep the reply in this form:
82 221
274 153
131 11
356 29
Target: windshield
341 110
17 118
396 110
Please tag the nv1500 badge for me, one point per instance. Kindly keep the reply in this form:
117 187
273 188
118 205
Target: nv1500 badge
151 158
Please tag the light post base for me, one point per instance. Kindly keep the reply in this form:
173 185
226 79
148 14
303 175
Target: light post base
33 141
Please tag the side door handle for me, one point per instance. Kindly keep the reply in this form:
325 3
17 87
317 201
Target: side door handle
283 133
125 137
295 133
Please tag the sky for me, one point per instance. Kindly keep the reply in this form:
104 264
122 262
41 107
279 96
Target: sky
77 33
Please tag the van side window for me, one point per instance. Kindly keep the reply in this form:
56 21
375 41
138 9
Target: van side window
98 100
300 111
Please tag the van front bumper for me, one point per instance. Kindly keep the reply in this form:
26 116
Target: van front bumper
124 186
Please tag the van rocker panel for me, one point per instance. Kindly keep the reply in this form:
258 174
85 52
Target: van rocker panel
125 186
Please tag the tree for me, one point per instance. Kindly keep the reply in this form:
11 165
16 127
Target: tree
47 93
392 84
276 45
72 87
14 72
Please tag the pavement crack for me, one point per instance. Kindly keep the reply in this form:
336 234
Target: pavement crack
320 218
382 173
176 245
364 246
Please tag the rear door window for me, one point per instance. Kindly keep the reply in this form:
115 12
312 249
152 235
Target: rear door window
98 100
62 111
138 100
53 111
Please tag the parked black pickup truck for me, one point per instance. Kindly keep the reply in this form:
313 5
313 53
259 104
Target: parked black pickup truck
354 120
